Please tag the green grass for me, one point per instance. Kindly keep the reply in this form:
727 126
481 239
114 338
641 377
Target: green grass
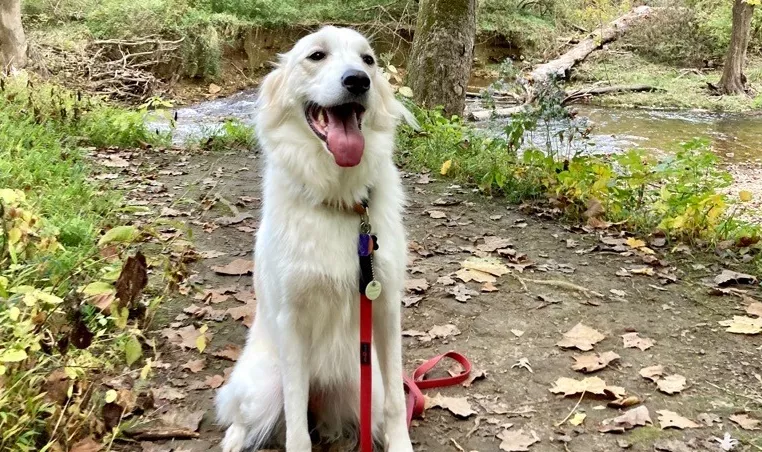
681 88
51 218
231 135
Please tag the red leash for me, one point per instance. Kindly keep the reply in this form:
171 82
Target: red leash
370 289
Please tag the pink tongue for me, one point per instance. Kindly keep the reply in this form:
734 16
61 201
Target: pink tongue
343 136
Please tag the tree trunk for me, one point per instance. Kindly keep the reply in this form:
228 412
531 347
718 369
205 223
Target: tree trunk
12 39
733 80
443 51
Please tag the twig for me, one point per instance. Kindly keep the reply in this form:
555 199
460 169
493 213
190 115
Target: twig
753 399
563 285
572 410
523 284
164 433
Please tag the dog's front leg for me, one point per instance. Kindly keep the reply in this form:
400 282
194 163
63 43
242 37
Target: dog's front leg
388 339
296 385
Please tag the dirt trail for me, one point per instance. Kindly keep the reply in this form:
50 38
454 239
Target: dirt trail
498 330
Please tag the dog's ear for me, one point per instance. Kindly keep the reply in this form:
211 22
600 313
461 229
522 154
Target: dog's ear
271 87
394 107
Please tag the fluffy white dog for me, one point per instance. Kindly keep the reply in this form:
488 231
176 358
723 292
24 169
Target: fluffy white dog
326 119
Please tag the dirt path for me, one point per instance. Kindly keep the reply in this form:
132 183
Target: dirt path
498 330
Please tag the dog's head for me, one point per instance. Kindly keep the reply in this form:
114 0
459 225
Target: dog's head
328 91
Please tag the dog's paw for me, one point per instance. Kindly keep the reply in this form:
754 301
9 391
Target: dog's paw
235 439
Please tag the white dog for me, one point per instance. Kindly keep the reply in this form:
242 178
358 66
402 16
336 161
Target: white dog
326 119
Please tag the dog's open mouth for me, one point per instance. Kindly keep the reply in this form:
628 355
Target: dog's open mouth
340 128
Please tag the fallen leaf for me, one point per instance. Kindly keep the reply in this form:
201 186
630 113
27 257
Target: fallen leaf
168 393
196 365
652 372
443 331
183 419
405 91
493 243
416 285
743 325
462 293
467 275
618 293
215 296
86 445
214 89
523 363
247 312
744 195
635 417
670 419
185 337
436 214
517 333
411 300
647 271
423 179
132 279
445 280
589 385
488 287
476 374
582 337
728 277
215 381
590 362
228 221
237 267
459 406
633 340
517 440
624 402
491 265
754 308
727 442
671 384
211 254
577 419
632 242
746 422
230 352
709 419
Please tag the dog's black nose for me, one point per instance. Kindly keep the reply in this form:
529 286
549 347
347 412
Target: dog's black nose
356 82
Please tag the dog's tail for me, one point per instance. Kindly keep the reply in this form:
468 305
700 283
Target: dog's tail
251 403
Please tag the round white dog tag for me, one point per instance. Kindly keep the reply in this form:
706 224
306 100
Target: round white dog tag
373 290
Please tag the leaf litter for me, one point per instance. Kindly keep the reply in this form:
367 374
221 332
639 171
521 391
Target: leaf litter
581 337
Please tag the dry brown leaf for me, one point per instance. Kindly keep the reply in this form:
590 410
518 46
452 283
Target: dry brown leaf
728 277
462 293
411 300
476 374
446 280
570 386
459 406
205 312
670 419
467 275
237 267
491 265
624 402
183 419
416 285
493 243
709 419
132 280
488 287
185 337
229 221
633 340
214 89
517 333
443 331
215 381
652 372
743 325
671 384
86 445
211 254
582 337
635 417
230 352
215 296
168 393
196 365
746 422
517 440
590 362
436 214
754 308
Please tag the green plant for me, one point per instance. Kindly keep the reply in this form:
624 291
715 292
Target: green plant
232 134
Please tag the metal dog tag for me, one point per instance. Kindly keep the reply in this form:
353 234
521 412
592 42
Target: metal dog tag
373 290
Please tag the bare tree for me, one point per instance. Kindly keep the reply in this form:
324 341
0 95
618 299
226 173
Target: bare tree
12 38
733 80
442 55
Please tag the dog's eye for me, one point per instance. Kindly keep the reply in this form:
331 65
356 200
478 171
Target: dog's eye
368 60
316 56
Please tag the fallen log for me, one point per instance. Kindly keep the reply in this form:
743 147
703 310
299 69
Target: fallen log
560 68
585 93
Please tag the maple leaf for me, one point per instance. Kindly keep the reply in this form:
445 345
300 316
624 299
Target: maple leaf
416 285
652 373
670 419
633 340
237 267
459 406
517 440
230 352
582 337
671 384
589 385
635 417
743 325
590 362
746 422
462 293
186 337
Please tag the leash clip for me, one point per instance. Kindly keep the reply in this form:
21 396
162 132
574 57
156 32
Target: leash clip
365 227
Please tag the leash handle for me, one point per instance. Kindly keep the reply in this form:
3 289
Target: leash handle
416 402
